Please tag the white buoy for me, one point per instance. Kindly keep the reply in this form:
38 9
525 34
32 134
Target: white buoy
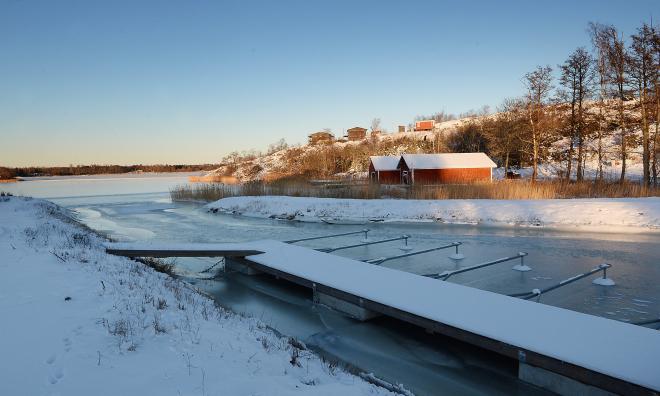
522 267
457 255
603 281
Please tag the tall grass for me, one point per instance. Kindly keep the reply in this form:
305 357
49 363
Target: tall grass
505 189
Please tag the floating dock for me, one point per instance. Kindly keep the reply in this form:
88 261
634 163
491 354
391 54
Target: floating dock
561 350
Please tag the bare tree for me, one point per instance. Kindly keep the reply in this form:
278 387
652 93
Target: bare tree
616 60
502 134
656 84
641 66
375 125
539 87
599 41
277 146
576 79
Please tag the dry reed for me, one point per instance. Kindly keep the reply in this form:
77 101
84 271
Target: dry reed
505 189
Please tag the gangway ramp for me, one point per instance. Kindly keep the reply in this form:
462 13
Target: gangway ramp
180 250
552 345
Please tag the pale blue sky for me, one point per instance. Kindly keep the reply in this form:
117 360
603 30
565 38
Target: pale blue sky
189 81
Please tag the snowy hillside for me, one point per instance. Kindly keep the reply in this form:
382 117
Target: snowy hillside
77 321
352 157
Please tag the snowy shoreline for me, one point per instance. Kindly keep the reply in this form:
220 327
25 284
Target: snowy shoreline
79 321
601 215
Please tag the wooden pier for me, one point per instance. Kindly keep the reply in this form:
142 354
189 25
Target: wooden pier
561 350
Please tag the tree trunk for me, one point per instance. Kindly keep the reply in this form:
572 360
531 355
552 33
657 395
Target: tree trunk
569 163
624 134
535 151
645 137
655 134
580 142
580 162
535 162
599 175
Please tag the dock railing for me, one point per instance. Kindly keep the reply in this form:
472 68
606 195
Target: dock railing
333 249
603 281
365 232
447 274
381 260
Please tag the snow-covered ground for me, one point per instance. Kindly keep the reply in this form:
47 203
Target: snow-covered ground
76 321
616 214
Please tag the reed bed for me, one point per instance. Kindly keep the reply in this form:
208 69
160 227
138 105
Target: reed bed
504 189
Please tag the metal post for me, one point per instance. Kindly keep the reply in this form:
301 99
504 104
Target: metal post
522 267
405 246
604 281
457 255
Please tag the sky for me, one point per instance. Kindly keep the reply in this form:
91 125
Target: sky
129 82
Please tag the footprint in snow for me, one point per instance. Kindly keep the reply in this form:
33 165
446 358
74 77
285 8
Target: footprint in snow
57 375
51 359
67 344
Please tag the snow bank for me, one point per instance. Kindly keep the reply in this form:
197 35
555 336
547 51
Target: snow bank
621 214
77 321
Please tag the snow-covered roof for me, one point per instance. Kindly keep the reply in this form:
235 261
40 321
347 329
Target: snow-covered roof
385 162
448 161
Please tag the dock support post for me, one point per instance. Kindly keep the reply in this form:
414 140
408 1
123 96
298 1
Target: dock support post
557 383
337 304
238 264
353 310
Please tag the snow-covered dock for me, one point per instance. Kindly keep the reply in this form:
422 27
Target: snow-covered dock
559 349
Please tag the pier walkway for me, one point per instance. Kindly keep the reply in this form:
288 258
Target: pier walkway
556 348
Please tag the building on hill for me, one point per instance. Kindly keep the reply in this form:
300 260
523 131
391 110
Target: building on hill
402 128
356 133
445 168
424 125
320 137
384 169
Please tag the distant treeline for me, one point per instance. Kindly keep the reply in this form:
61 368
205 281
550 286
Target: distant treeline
8 173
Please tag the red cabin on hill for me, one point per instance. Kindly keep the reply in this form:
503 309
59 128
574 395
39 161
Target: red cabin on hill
424 125
445 168
384 169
